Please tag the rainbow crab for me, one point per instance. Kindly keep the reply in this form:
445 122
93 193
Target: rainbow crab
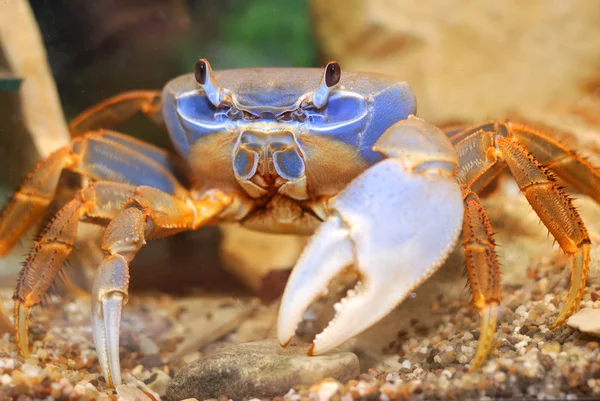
302 151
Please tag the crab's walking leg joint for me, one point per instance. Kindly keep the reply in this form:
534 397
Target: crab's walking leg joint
31 200
87 155
395 223
484 271
100 201
118 109
553 155
150 213
558 214
115 178
484 151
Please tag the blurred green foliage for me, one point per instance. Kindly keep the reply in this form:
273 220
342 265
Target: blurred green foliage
268 32
239 33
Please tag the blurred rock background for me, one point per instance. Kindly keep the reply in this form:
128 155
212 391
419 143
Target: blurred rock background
467 61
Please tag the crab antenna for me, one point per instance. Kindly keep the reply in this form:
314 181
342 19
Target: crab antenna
331 77
204 76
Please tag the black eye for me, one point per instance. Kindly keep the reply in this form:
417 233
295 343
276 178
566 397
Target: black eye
200 71
333 72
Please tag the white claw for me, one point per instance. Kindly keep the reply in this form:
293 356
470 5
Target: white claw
396 227
330 250
109 294
106 322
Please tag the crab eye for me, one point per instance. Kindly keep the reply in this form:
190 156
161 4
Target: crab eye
200 71
333 72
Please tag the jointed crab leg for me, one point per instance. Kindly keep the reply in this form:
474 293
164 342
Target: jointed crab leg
99 156
149 213
100 201
484 271
31 200
558 214
566 163
116 110
103 155
484 151
479 164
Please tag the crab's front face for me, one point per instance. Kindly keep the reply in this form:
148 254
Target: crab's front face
300 133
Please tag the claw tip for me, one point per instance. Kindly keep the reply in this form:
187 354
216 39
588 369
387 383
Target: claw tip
311 350
285 344
21 316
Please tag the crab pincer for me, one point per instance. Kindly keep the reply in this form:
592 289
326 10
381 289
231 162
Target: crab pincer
395 224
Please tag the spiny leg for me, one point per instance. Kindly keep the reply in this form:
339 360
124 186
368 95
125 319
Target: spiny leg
100 201
484 272
104 155
565 162
478 162
31 200
481 159
150 213
118 109
100 156
475 146
558 214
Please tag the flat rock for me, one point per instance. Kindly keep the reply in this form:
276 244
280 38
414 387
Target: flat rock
586 320
258 369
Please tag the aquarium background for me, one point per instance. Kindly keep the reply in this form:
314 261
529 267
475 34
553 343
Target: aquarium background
467 62
99 49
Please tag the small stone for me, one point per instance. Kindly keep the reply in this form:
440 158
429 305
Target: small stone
447 357
147 346
553 347
500 377
326 389
586 320
158 382
259 369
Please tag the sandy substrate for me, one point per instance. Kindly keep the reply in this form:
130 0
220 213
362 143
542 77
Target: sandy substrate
528 360
421 351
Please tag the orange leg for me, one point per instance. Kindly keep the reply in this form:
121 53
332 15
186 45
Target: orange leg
105 156
566 163
484 151
100 201
5 325
29 203
484 271
116 110
150 213
558 214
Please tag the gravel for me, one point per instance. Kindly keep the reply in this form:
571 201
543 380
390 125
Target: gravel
528 359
